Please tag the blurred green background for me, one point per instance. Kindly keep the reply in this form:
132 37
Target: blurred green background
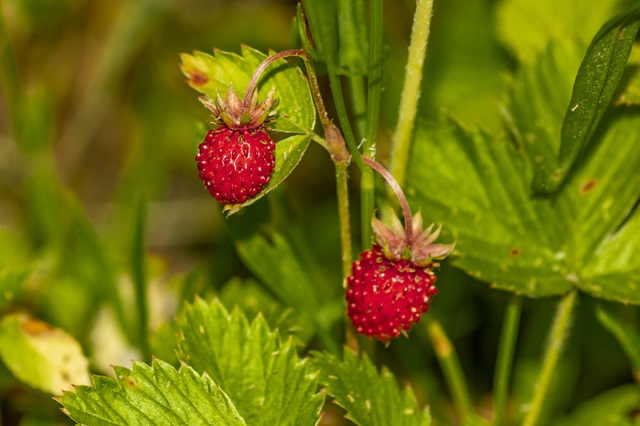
98 133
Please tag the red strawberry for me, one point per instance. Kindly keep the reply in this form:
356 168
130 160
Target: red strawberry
392 284
236 164
237 158
386 297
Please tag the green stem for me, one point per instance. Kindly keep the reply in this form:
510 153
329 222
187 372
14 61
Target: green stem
411 89
358 103
557 338
343 211
139 274
343 117
374 89
450 364
506 349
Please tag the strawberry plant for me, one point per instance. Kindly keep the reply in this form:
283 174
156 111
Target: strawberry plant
497 157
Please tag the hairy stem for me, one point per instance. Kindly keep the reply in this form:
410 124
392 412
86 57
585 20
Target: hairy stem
406 211
333 142
555 345
343 211
311 77
504 362
411 89
450 364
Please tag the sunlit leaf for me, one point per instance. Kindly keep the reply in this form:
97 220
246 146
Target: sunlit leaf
598 77
40 355
156 394
371 397
263 376
212 75
253 299
527 27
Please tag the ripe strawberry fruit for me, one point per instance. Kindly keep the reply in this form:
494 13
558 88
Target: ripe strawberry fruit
235 164
392 284
235 161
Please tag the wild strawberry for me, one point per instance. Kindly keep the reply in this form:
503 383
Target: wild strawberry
392 284
236 159
235 164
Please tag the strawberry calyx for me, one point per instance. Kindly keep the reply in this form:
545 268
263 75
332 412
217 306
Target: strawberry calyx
233 113
420 248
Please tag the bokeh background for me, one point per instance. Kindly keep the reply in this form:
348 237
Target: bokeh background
98 129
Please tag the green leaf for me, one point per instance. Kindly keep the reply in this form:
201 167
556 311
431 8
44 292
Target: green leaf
354 44
370 397
628 93
463 78
275 262
477 187
531 245
527 27
151 395
322 16
263 376
212 74
598 77
253 299
628 336
40 355
11 283
613 272
535 112
614 407
289 152
600 196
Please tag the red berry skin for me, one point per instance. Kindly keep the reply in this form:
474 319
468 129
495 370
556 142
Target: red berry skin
235 164
385 297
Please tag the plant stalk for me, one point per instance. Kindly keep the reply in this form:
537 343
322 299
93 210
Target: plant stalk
411 90
406 211
555 345
139 275
311 77
343 211
334 143
450 364
504 363
374 89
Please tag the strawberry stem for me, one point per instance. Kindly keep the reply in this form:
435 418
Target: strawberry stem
406 211
313 81
258 72
335 142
